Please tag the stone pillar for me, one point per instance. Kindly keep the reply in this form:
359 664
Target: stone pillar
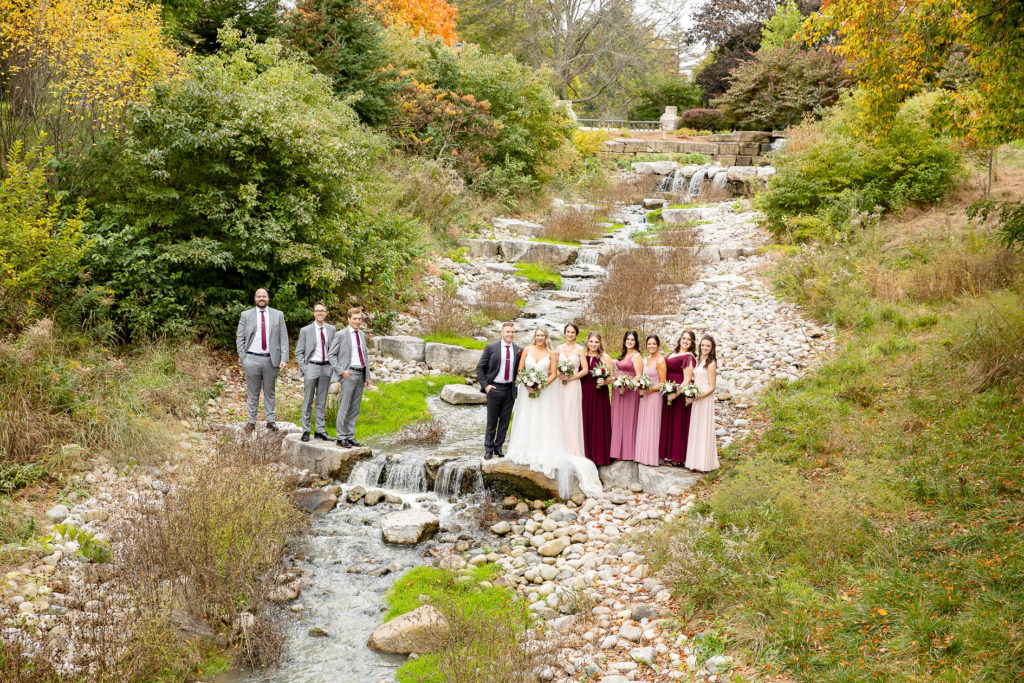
566 106
669 120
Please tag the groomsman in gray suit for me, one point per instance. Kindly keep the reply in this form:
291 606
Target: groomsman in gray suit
262 341
349 359
311 353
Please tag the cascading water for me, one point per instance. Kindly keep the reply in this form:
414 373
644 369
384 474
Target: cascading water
721 180
405 476
695 182
367 473
459 477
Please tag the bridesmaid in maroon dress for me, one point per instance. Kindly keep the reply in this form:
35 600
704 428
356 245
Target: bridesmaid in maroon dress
597 416
626 405
675 418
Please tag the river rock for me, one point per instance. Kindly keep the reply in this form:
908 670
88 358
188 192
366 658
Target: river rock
373 497
402 347
520 480
480 248
619 475
457 360
421 630
322 458
553 548
58 513
665 481
654 203
462 394
537 252
518 226
355 493
501 528
315 501
654 167
409 527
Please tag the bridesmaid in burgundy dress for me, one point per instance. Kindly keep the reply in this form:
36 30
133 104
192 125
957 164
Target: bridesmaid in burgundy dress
597 416
626 405
675 418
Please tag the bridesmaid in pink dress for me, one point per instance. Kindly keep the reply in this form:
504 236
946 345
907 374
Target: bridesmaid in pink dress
625 405
701 451
572 392
648 421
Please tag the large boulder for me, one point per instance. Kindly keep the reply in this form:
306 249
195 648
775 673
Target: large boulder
462 394
402 347
315 501
518 226
666 481
619 475
537 252
409 527
422 630
480 248
520 480
684 215
654 167
323 458
454 359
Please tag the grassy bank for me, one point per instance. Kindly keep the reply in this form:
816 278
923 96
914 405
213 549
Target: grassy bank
541 273
393 406
464 342
871 531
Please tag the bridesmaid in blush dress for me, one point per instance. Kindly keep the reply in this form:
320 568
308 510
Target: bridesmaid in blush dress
701 451
675 418
648 421
571 396
626 404
597 416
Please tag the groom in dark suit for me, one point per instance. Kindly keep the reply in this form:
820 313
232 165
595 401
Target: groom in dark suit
497 370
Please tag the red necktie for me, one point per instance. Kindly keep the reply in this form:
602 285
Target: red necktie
508 361
359 348
323 345
263 331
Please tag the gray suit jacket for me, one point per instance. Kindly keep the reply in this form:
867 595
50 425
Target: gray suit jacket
309 342
277 334
340 353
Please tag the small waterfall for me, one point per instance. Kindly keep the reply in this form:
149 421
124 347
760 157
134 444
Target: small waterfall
405 476
679 182
778 144
721 179
587 257
695 182
457 478
367 473
579 284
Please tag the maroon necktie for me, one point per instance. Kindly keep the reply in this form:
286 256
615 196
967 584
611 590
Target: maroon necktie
323 345
508 360
359 348
263 331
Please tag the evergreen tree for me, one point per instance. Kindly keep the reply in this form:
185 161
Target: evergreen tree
195 23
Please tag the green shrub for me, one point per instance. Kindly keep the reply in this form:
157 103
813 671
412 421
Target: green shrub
702 119
245 173
835 173
781 86
674 92
784 24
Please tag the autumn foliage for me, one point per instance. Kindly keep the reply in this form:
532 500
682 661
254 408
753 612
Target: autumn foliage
432 17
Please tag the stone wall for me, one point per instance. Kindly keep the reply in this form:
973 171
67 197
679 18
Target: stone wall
742 148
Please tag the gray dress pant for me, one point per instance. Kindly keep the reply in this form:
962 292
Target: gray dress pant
260 373
350 400
318 381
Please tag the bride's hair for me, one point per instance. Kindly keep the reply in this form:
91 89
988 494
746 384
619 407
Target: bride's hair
547 337
636 342
693 342
600 343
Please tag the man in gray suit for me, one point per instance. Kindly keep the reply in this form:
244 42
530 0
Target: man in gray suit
311 353
262 341
349 360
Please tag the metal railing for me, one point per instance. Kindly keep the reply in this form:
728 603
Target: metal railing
616 124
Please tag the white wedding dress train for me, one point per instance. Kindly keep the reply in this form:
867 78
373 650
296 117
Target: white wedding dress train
538 439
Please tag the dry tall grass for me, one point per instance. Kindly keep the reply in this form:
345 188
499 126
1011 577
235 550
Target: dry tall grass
962 271
631 189
497 300
572 226
441 313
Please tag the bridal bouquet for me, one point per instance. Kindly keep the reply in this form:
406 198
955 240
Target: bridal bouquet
567 368
667 389
533 380
691 390
601 373
623 383
642 382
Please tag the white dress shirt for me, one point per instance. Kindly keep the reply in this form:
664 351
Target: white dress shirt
511 352
354 361
262 318
320 355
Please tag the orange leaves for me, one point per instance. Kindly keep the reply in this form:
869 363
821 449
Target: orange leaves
433 17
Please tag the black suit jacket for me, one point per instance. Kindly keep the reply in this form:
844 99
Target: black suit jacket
490 363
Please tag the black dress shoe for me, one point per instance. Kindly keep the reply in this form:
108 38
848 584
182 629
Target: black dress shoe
344 443
497 452
272 426
488 455
353 442
305 436
249 426
321 436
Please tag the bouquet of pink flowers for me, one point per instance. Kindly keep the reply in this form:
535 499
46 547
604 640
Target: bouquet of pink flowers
667 389
567 368
533 380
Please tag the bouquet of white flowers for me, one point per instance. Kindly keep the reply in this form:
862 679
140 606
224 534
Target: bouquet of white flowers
623 383
691 390
641 382
567 368
533 380
601 372
667 389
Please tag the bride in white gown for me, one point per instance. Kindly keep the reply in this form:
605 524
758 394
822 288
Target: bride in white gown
538 438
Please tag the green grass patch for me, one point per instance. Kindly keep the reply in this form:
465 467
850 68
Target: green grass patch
465 342
543 274
393 406
550 241
872 531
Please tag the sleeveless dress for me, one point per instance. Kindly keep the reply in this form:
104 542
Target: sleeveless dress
675 417
572 412
537 438
648 422
701 451
597 417
624 409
